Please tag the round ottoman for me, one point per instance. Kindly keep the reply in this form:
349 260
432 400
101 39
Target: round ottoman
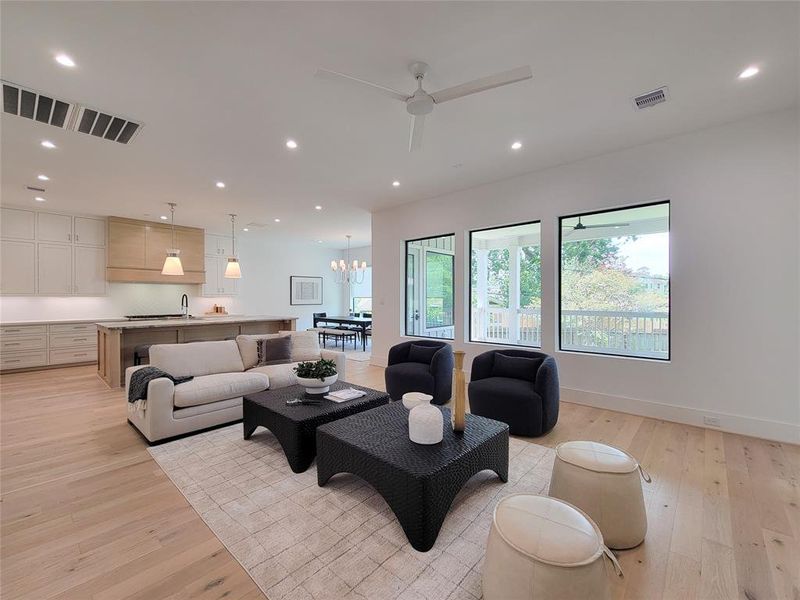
603 482
540 547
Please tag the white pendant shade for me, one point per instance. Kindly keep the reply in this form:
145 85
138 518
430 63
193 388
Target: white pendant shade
172 264
233 270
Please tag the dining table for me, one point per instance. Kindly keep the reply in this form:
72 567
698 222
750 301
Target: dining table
363 323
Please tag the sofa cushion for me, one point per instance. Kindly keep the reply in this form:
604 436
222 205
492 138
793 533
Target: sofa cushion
197 358
220 386
280 376
305 345
248 347
515 367
274 351
422 354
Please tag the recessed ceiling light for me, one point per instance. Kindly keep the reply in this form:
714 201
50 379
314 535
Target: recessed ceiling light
291 144
163 217
64 60
277 220
48 144
42 178
396 183
40 199
317 207
319 241
220 184
245 229
748 72
516 145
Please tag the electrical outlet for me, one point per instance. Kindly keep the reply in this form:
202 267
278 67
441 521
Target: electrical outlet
711 421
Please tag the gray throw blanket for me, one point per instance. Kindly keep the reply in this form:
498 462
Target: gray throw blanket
140 379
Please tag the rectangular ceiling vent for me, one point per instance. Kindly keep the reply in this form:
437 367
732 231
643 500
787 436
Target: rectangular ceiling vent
651 98
37 106
106 126
34 105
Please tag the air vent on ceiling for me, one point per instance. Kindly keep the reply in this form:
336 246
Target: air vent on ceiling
31 104
256 225
651 98
110 127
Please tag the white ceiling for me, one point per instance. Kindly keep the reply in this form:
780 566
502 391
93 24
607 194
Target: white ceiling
220 86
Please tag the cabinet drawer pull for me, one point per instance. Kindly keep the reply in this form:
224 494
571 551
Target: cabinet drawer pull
14 360
69 237
80 339
12 343
80 354
13 330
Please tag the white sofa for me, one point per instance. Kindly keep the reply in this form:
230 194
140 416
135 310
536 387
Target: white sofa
223 373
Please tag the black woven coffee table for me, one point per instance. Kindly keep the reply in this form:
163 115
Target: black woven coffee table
418 482
295 426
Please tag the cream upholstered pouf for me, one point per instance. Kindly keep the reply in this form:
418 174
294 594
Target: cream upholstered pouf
603 481
541 547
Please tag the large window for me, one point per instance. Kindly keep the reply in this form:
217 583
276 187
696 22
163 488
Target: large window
429 287
614 282
506 285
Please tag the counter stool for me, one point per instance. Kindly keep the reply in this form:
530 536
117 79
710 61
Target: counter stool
543 548
141 353
603 481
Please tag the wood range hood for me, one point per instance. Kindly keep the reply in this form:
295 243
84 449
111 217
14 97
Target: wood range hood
136 252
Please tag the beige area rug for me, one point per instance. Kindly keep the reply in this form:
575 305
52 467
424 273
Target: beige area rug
300 541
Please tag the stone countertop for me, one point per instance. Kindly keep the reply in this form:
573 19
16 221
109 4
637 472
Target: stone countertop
181 322
54 321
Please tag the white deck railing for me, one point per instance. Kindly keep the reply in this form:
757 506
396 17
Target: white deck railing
644 334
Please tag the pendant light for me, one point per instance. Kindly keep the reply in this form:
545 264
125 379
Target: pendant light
233 270
172 264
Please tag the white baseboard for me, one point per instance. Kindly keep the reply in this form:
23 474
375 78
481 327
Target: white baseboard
751 426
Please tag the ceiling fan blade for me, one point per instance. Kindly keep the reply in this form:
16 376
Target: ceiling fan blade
386 91
601 225
482 84
417 127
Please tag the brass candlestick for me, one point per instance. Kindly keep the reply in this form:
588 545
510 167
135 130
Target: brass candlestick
459 383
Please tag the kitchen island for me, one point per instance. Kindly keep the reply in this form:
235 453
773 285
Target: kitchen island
116 340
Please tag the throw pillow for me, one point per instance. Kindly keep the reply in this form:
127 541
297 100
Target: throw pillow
516 367
274 351
305 345
248 347
422 354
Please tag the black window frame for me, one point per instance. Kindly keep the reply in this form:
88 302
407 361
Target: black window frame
668 202
469 281
405 286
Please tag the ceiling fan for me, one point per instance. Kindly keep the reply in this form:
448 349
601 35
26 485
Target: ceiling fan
580 226
421 103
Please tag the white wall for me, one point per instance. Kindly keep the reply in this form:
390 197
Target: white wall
734 261
263 289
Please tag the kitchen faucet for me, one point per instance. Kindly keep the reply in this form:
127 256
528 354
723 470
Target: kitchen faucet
185 305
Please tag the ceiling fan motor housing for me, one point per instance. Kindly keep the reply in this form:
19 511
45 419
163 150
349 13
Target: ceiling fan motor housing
420 103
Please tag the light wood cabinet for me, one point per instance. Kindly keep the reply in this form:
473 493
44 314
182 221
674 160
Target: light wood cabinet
54 275
33 346
90 271
17 224
137 249
18 268
125 245
54 227
89 231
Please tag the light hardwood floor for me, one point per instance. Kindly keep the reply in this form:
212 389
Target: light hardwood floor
86 514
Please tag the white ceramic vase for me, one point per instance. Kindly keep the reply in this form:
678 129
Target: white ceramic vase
317 385
412 399
425 423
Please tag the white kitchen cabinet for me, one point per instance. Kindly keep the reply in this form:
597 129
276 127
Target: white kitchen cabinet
17 224
90 232
54 228
55 270
216 283
18 267
90 271
228 287
218 245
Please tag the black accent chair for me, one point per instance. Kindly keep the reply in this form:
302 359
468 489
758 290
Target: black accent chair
517 387
420 366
